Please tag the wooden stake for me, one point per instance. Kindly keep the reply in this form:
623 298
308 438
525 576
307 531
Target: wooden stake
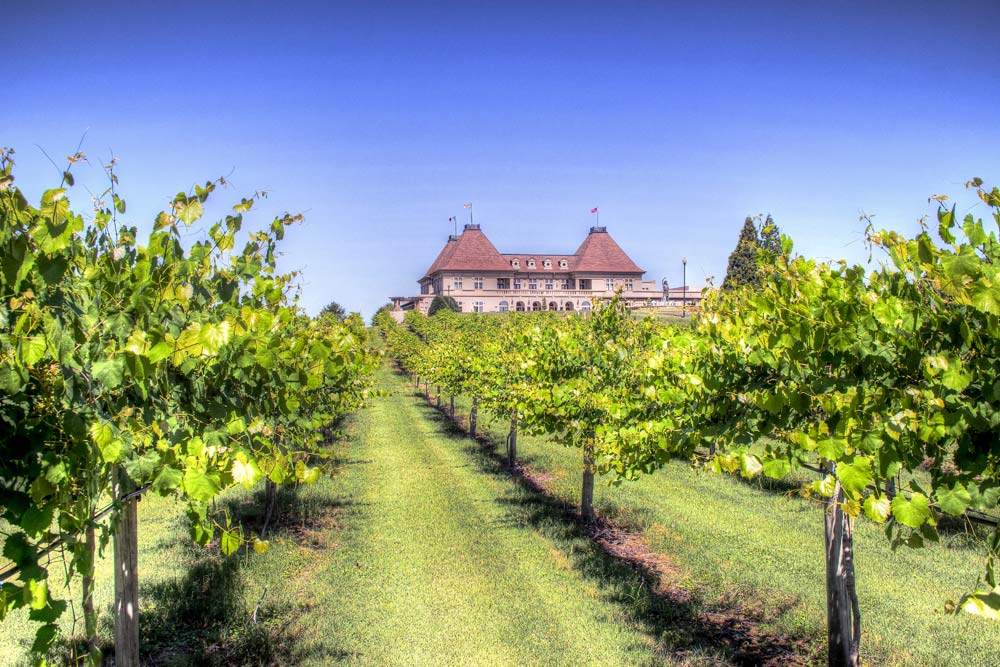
843 614
587 492
126 548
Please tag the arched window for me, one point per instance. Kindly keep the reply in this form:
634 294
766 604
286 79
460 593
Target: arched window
536 305
547 264
585 306
569 305
553 305
504 306
515 262
563 263
519 307
531 263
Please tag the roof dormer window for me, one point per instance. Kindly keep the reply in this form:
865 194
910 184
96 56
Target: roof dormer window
547 264
563 264
531 263
516 263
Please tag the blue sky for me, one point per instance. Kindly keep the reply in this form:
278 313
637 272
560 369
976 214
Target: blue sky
378 120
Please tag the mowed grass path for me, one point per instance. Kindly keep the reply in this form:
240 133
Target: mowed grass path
432 567
742 544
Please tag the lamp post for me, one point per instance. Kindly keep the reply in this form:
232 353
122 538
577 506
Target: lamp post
684 297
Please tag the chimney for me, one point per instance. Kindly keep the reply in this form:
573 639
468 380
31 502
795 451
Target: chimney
470 225
596 230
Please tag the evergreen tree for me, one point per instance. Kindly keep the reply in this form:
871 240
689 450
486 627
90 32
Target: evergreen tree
742 269
335 309
770 236
443 303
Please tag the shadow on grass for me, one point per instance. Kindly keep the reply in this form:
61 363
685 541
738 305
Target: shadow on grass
685 627
205 617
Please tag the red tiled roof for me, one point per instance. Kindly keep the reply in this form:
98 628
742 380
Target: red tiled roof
600 253
471 252
443 256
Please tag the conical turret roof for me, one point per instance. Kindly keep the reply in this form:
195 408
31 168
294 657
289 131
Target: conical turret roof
600 254
471 251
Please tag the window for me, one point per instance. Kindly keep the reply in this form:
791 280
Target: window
547 264
565 283
585 306
456 282
515 262
477 282
569 305
517 283
532 283
504 306
531 263
548 283
628 284
585 283
519 307
553 305
477 306
536 305
503 283
563 263
609 284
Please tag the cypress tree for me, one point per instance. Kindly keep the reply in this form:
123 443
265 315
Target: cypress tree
742 269
770 236
441 302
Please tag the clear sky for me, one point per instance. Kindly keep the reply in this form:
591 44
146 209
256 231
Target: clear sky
378 120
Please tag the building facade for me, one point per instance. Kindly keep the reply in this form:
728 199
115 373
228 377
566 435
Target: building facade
481 279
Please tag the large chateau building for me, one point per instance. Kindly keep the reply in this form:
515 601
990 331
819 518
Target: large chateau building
481 279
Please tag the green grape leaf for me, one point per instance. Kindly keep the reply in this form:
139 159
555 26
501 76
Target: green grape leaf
142 467
985 298
229 542
50 613
245 473
855 476
190 212
201 485
914 512
32 350
877 508
776 468
983 496
956 377
954 500
831 448
36 520
169 479
109 372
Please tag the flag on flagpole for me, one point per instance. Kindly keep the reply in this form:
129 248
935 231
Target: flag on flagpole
467 206
593 210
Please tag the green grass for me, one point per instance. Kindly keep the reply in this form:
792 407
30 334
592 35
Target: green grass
439 564
741 543
419 551
422 550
